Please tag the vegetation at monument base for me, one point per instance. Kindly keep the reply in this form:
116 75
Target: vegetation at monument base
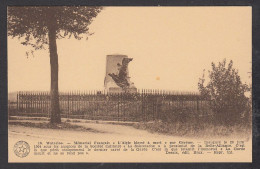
41 26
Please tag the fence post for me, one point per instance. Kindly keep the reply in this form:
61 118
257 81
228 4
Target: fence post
49 103
142 96
118 106
17 102
31 103
197 104
123 97
68 105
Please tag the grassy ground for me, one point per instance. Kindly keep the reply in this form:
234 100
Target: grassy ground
194 130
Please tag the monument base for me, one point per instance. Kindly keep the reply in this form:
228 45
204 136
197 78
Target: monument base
120 90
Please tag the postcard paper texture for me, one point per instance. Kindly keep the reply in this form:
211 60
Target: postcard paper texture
129 84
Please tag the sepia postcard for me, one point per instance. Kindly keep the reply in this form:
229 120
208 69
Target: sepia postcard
129 84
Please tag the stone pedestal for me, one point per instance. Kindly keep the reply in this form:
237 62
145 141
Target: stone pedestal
119 90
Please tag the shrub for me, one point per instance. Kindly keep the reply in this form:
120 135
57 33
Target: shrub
227 93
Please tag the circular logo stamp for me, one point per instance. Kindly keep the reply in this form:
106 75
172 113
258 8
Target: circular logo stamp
21 149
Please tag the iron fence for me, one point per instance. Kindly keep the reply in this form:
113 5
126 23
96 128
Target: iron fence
145 105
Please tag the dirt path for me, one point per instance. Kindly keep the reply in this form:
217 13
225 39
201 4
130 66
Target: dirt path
96 131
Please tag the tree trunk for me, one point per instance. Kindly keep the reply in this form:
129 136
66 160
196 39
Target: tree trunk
55 106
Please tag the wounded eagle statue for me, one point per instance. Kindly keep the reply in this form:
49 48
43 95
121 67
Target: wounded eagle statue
121 79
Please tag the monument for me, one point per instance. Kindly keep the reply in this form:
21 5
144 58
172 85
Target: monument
117 78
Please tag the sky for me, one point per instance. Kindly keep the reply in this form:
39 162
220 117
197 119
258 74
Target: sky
170 47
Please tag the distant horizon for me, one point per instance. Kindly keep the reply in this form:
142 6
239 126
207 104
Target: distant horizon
97 90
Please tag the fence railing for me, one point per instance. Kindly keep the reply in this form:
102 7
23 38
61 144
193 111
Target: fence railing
145 105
